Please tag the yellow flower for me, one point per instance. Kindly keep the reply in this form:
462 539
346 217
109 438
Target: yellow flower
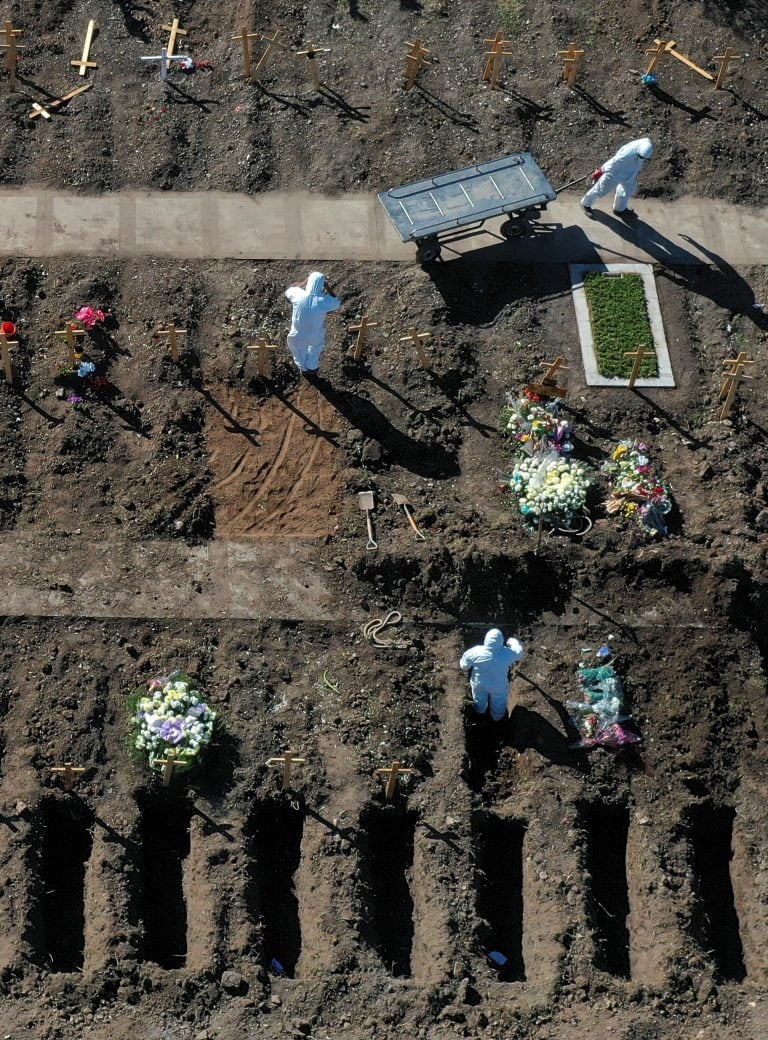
618 452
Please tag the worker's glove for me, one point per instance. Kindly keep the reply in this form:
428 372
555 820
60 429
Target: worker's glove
597 175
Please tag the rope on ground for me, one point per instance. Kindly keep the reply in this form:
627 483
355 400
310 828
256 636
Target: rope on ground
373 627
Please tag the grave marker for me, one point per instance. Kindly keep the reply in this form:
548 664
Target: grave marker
69 774
165 60
725 60
287 761
272 42
494 56
262 356
662 47
548 386
174 30
11 52
70 334
5 343
362 335
571 60
173 344
168 763
310 53
639 355
43 110
731 383
84 64
393 773
245 37
415 337
414 60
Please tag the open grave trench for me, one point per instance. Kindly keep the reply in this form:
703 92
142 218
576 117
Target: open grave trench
625 874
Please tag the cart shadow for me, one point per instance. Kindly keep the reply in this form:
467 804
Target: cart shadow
427 460
600 109
445 108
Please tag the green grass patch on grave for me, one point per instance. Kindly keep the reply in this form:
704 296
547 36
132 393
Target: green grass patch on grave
620 323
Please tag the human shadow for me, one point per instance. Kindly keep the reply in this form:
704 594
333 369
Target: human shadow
529 729
445 108
707 274
356 113
696 114
427 460
598 107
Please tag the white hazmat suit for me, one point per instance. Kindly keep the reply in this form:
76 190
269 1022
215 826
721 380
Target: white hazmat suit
489 665
310 306
620 173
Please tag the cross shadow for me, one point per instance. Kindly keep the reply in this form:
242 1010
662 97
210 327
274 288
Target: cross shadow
626 631
445 108
114 835
176 95
530 109
696 114
427 460
343 832
129 415
286 100
355 12
359 370
8 822
597 106
52 419
447 837
235 426
47 95
310 426
357 113
756 112
688 435
135 26
213 826
445 383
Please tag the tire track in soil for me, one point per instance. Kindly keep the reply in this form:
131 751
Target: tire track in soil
274 475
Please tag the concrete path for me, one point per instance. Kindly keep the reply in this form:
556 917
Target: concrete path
303 226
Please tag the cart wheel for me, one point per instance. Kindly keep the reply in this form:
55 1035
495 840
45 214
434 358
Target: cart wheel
513 228
427 250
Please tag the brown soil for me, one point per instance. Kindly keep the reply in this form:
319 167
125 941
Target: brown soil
627 890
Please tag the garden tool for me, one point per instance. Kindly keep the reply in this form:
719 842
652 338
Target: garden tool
365 501
401 500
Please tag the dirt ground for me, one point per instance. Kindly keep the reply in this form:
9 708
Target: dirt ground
627 890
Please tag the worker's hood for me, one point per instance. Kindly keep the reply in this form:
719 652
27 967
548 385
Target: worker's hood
644 148
493 639
315 284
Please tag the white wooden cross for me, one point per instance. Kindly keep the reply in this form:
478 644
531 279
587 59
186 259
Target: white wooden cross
165 60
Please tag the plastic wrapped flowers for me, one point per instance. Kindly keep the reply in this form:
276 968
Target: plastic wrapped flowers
530 424
551 486
172 721
636 491
599 715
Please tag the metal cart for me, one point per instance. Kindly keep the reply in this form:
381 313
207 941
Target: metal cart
513 186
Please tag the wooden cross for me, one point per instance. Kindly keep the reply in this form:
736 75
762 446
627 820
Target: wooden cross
175 31
5 343
11 51
494 55
731 384
662 47
392 773
40 110
362 335
415 337
310 53
639 355
548 386
168 763
657 52
70 334
173 344
272 43
571 61
262 357
165 60
84 64
725 60
286 760
414 60
246 38
68 774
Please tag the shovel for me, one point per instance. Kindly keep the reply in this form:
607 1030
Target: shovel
401 500
365 501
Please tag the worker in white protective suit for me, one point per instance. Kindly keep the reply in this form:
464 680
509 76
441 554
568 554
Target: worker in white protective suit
311 303
489 666
619 173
